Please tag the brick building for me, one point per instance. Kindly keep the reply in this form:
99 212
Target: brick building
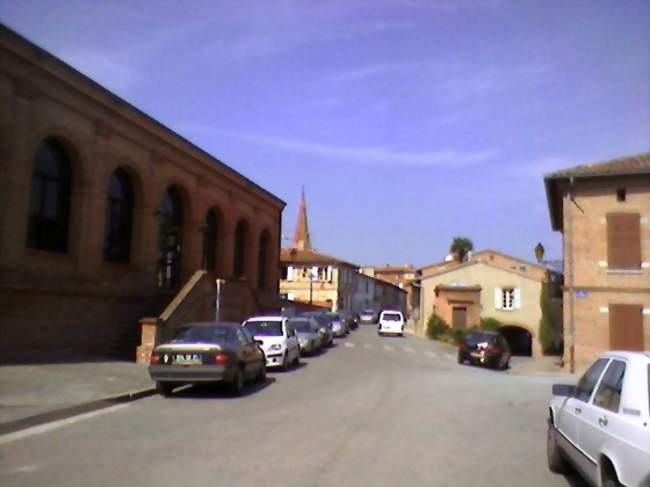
105 214
603 212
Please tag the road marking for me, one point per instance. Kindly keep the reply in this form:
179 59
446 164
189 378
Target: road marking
368 346
388 348
349 345
409 350
431 354
44 428
450 356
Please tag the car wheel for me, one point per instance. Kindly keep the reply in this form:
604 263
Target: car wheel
556 462
296 361
506 365
609 476
237 384
460 359
261 376
165 389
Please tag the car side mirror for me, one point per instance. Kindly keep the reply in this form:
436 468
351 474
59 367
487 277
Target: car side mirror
259 342
564 390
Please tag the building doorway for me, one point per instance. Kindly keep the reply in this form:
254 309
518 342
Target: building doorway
459 317
170 240
519 340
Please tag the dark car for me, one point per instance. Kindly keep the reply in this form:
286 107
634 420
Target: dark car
368 317
483 347
349 319
207 352
325 323
310 337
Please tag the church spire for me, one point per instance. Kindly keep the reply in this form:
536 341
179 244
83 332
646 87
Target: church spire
301 238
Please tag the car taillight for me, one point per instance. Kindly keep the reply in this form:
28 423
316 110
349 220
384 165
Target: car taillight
463 346
221 358
495 350
154 359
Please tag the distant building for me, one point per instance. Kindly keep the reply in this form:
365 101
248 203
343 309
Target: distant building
603 212
313 277
405 277
489 285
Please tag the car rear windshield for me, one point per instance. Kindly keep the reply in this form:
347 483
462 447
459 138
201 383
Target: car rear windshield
392 316
264 328
475 337
202 334
302 326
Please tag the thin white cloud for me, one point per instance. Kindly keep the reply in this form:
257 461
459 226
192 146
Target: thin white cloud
369 71
370 154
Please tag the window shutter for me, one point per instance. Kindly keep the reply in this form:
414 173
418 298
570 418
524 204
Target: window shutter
517 298
314 272
329 273
623 240
498 298
289 273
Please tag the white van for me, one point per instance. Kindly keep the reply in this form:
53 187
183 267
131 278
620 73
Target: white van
278 340
391 322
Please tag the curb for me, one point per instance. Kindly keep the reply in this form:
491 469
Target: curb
70 411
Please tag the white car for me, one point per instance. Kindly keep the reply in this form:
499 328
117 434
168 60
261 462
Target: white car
278 340
602 425
391 322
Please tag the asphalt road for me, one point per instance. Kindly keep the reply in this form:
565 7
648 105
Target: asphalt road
371 411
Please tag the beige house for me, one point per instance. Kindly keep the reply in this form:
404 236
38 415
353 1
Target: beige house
105 214
603 212
315 278
488 285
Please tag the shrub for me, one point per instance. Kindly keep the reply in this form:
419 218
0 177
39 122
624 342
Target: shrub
436 327
457 334
491 324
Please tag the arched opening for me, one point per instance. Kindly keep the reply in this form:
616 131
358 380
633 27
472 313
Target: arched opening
49 210
241 244
519 340
119 218
263 260
210 229
170 239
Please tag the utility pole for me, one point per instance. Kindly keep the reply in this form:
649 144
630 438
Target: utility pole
569 234
218 300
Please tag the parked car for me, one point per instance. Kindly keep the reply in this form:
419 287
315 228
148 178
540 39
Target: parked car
368 317
278 340
339 326
207 352
391 322
349 319
325 325
602 425
309 334
484 347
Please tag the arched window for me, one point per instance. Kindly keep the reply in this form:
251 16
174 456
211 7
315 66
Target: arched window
49 211
170 239
210 240
119 218
239 264
263 260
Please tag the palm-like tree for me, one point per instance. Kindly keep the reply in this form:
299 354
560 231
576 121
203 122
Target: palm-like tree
460 247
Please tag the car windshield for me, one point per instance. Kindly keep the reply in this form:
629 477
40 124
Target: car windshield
202 334
264 328
475 337
392 316
301 326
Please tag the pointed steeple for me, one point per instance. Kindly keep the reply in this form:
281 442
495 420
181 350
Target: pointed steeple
301 238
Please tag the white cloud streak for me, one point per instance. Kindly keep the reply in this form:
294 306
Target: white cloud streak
377 155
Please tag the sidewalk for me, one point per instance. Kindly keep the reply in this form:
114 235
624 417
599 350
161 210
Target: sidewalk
39 393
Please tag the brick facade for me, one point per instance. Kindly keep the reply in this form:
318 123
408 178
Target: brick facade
62 305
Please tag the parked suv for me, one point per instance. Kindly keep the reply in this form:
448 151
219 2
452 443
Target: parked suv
602 425
391 322
278 340
484 347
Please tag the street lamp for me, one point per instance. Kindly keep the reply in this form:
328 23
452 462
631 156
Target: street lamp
311 285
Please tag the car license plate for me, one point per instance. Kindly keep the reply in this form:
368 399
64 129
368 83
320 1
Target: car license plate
476 354
187 358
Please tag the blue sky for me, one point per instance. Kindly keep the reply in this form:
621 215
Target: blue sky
408 122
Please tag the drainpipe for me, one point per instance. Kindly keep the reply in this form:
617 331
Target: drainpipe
569 231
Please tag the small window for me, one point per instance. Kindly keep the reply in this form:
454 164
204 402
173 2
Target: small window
608 395
589 380
508 299
621 194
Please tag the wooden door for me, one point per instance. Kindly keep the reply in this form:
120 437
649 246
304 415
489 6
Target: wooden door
626 327
459 318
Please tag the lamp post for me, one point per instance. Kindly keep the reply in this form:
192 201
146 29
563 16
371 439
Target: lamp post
218 299
311 285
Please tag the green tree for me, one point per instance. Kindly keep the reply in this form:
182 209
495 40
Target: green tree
460 247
